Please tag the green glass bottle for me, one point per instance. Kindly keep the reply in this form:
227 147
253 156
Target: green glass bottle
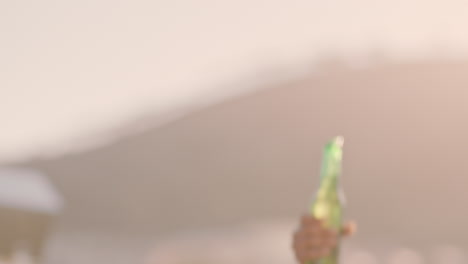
328 204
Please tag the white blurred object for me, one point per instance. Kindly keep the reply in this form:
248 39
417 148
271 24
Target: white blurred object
19 256
405 256
28 206
22 257
258 243
30 190
360 257
449 255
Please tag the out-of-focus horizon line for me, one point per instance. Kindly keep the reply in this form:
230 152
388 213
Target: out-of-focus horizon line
244 86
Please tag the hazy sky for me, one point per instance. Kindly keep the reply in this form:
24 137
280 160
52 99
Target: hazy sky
72 69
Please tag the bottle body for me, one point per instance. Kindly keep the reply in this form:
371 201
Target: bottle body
330 210
329 201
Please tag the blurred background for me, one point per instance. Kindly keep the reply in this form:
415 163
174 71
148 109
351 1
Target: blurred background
190 131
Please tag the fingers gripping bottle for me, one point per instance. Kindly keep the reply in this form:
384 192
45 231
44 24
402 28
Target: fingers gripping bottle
329 200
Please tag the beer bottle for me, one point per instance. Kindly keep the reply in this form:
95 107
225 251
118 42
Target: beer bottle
328 203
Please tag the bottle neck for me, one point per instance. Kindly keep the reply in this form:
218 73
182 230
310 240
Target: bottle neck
329 186
330 174
331 168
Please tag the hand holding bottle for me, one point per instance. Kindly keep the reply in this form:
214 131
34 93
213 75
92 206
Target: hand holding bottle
313 240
